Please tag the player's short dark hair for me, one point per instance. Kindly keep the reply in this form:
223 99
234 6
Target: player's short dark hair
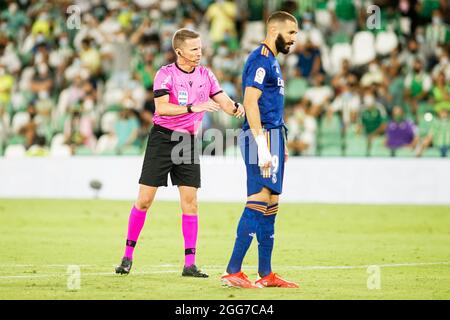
182 35
281 16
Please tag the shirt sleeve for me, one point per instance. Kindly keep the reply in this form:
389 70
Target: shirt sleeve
215 86
162 84
258 72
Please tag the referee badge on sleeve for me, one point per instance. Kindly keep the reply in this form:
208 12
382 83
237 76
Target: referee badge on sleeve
260 74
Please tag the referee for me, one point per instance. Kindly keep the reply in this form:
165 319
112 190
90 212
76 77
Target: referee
184 91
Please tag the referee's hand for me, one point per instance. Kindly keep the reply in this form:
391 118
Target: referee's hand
239 112
208 106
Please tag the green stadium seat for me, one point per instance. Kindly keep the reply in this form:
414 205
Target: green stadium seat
339 38
83 151
331 151
131 151
356 146
405 153
432 153
114 108
379 149
108 153
330 136
295 89
16 139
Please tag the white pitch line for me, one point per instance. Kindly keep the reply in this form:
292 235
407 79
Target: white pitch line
221 268
56 275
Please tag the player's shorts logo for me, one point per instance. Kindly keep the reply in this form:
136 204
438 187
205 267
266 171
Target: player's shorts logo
274 178
182 98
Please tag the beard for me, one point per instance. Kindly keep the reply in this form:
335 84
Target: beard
282 45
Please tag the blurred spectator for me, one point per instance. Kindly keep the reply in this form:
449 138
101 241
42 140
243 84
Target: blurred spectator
6 85
39 148
408 21
443 64
254 14
42 81
318 95
309 31
344 75
412 52
373 116
347 104
222 15
69 97
111 60
441 92
126 129
9 57
15 19
309 60
78 130
400 132
439 134
28 131
345 15
302 132
4 126
373 76
417 85
118 51
90 57
437 33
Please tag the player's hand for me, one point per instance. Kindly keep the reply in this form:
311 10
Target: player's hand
286 154
208 106
264 156
239 112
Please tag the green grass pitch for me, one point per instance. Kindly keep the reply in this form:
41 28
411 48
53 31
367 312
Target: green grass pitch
326 248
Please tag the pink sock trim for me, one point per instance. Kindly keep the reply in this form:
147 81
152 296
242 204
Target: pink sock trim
135 224
190 232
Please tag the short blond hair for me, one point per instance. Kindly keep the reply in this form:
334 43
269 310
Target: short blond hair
182 35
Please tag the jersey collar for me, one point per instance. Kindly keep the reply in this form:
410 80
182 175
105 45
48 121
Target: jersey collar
265 44
176 64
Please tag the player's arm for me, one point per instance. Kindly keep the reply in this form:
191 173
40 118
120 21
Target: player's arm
251 97
164 108
228 105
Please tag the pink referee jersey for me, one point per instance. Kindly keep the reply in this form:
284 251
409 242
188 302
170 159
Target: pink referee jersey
184 88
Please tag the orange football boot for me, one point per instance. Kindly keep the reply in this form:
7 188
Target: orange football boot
274 280
237 280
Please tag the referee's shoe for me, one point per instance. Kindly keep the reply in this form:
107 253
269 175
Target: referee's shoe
125 266
193 271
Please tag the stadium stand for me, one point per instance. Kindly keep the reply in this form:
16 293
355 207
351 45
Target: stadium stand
87 90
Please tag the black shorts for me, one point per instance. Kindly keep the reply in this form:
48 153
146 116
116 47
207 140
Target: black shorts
177 157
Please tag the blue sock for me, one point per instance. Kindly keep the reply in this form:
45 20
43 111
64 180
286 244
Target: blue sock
265 234
245 232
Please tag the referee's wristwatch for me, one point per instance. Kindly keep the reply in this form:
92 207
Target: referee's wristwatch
189 108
